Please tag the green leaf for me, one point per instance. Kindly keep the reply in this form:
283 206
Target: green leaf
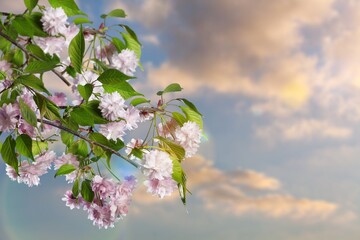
27 113
190 105
174 149
23 26
40 66
77 50
30 4
192 116
131 32
75 188
93 108
35 20
118 44
177 171
123 88
85 91
38 147
113 76
82 117
32 82
97 137
174 87
69 6
138 101
65 169
24 146
81 20
79 148
8 153
67 138
18 57
86 191
37 51
115 13
132 43
179 118
47 108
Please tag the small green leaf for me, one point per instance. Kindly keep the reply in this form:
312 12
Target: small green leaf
123 88
113 76
115 13
120 45
69 6
77 50
138 101
174 87
65 169
179 118
24 146
30 4
37 51
18 57
82 117
86 191
8 153
40 66
66 137
85 91
173 148
23 26
79 148
81 20
27 113
75 188
190 105
132 44
32 82
38 147
192 116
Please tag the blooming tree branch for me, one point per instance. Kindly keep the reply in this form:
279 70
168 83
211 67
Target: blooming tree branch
96 121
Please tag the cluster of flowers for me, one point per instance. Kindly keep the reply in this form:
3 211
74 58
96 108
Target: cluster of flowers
110 203
111 198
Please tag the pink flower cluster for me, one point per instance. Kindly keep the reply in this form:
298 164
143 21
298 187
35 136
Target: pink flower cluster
29 173
111 201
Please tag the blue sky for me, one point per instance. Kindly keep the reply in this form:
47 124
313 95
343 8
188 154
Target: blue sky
279 86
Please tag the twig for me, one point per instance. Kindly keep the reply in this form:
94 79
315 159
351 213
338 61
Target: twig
59 126
32 55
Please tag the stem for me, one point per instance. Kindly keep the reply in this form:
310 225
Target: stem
27 53
5 13
59 126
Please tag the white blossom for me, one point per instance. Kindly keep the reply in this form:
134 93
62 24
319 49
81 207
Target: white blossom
54 21
113 130
112 106
161 188
188 136
157 164
9 117
126 61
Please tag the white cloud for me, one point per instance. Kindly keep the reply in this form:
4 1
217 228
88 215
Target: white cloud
303 129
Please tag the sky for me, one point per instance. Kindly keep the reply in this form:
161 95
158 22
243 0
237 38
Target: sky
278 84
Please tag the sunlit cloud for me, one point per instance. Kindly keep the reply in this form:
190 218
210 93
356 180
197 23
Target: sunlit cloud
227 192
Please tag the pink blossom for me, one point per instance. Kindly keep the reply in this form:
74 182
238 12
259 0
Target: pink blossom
188 136
59 98
25 128
132 117
103 186
71 201
134 143
113 130
157 164
126 61
9 117
5 67
5 84
101 216
161 188
51 45
112 106
54 21
67 159
10 171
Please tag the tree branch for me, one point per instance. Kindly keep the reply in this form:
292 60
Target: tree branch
59 126
32 55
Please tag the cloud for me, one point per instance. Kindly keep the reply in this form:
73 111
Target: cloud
303 129
17 6
232 201
228 192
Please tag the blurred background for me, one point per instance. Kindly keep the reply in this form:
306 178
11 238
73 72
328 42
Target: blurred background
279 85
